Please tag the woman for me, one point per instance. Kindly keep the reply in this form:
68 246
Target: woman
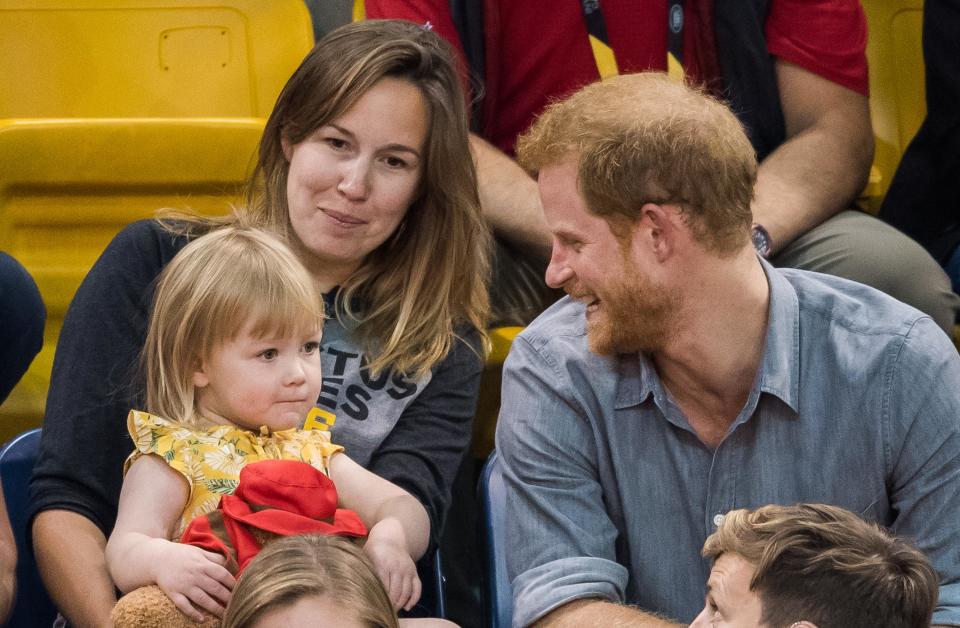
364 169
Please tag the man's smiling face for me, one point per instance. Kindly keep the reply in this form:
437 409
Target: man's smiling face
627 310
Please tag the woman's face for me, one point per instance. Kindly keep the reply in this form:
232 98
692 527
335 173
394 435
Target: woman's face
351 182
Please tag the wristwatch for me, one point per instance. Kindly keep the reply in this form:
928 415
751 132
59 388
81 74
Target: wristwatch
761 240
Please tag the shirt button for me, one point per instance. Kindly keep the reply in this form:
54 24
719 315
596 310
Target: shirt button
717 520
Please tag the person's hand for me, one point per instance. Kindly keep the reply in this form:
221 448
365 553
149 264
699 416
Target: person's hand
393 564
194 578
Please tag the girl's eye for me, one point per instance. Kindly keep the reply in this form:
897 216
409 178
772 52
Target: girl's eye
268 354
311 347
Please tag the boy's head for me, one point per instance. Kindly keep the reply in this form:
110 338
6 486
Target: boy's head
813 566
298 580
231 284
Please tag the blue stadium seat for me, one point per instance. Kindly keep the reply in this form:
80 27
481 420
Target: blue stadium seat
433 601
493 500
32 606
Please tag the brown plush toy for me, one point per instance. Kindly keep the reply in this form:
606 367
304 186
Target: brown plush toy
149 607
273 498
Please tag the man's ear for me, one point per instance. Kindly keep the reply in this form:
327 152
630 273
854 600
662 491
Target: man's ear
803 624
659 230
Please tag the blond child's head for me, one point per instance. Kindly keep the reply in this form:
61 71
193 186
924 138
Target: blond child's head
313 575
234 333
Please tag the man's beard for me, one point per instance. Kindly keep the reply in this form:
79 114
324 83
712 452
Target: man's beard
635 315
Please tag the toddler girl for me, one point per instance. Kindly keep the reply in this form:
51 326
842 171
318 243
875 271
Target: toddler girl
232 361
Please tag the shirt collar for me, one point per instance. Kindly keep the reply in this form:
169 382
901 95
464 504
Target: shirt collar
779 373
780 366
636 368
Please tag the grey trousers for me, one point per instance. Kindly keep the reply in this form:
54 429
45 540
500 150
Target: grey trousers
857 246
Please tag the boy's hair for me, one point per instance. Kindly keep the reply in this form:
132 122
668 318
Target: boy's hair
825 565
230 280
294 567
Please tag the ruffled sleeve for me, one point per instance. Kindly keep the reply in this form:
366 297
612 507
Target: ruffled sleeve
310 446
173 443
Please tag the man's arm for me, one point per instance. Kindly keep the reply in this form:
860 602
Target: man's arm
601 613
509 198
824 162
70 556
561 541
923 423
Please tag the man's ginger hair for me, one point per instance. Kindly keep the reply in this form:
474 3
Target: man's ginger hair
642 138
825 565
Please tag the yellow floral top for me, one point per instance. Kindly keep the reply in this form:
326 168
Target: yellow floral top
211 459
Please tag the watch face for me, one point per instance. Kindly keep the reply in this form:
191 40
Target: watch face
761 240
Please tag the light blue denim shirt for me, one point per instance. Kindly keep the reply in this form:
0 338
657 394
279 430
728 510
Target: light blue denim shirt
611 494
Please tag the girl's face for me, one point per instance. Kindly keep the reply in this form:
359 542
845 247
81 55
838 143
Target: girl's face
310 611
350 183
250 381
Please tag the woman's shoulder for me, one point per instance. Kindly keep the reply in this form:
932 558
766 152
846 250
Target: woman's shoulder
149 238
467 348
135 256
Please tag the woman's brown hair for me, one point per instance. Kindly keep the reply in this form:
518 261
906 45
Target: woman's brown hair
432 272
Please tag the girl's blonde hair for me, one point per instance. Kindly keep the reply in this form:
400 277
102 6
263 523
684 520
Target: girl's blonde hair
224 282
294 567
432 272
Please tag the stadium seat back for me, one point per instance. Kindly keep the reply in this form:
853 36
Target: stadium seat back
488 402
897 102
110 110
497 590
70 185
130 58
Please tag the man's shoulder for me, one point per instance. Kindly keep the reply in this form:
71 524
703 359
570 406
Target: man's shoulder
557 340
563 322
848 307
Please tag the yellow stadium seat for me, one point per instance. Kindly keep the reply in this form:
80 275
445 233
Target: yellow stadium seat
69 185
488 405
897 103
110 110
131 58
